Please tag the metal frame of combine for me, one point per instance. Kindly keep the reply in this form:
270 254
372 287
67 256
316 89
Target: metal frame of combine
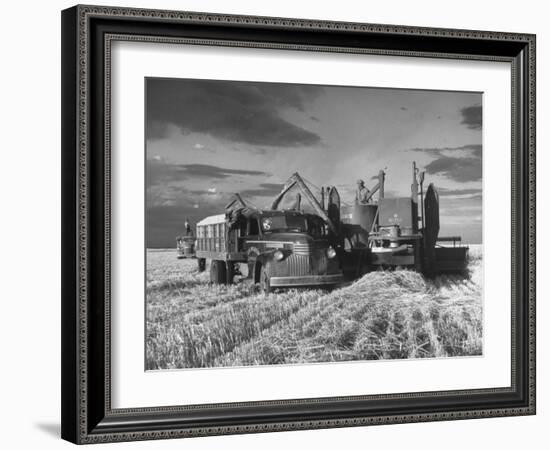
401 232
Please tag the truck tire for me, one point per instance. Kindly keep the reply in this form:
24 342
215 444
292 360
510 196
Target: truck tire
265 284
229 272
217 272
201 262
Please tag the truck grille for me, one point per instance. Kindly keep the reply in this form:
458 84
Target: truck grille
306 259
303 249
298 265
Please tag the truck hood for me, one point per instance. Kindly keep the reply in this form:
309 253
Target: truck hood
295 238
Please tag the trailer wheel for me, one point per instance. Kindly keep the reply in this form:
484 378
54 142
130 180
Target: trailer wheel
201 262
217 272
265 284
230 272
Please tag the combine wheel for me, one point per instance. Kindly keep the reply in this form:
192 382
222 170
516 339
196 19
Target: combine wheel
201 262
217 272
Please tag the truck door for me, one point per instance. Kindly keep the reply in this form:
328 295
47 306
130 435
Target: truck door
252 229
241 232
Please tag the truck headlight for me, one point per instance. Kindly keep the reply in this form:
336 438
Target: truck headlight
278 255
331 253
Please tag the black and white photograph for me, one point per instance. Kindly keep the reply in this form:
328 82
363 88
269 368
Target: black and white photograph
298 223
281 220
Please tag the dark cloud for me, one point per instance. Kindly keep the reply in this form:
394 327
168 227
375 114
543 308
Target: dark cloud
164 223
169 202
315 119
471 117
264 190
160 172
244 112
404 108
459 168
474 149
157 171
207 171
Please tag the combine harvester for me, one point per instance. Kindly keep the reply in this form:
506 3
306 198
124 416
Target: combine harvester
288 247
277 249
398 232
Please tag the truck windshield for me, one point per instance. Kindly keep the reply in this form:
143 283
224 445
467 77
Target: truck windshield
284 223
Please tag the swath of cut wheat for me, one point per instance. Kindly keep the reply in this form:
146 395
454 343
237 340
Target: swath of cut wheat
383 315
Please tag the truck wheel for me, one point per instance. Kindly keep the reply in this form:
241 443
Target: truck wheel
265 285
217 272
201 262
230 272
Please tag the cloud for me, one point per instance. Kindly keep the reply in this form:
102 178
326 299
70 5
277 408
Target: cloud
460 164
264 190
472 117
459 192
198 146
244 112
403 108
208 171
458 169
468 150
162 172
158 171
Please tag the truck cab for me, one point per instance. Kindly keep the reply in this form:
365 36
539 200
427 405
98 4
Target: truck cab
278 249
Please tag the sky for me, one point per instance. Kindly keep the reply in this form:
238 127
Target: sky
207 139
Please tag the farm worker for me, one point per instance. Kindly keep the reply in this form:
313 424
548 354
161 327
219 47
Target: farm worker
188 230
362 193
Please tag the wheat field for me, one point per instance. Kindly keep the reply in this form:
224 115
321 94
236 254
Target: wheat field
383 315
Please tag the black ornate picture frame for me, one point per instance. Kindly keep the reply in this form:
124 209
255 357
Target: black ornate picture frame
87 35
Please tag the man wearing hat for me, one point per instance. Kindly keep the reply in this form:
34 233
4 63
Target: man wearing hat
188 229
362 193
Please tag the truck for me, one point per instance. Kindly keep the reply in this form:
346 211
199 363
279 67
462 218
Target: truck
270 247
185 247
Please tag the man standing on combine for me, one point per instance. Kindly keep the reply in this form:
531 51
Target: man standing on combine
188 229
362 193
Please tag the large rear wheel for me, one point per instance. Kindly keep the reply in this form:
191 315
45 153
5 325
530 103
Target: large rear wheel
217 272
230 272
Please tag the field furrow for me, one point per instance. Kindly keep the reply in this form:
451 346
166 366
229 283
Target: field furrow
383 315
195 326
